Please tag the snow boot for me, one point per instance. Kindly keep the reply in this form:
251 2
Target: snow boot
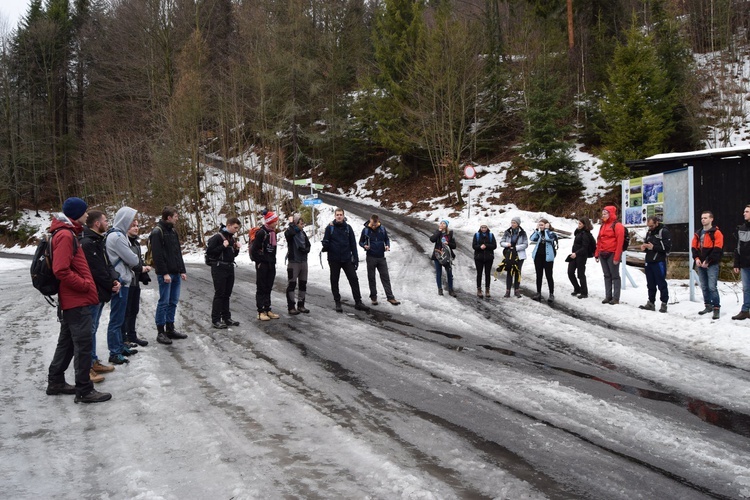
551 297
742 315
486 293
451 292
716 313
263 316
360 306
440 291
663 307
518 293
339 309
272 315
479 293
174 334
293 312
707 309
301 308
507 293
648 307
161 336
537 297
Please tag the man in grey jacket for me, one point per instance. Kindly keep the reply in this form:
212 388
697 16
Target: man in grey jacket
122 258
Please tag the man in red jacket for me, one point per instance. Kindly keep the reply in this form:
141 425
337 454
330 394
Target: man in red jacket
707 249
77 293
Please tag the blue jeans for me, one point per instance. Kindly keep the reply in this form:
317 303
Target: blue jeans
118 306
709 278
96 314
439 275
169 295
745 273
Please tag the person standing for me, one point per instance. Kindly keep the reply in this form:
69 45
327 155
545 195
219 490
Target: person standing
583 243
544 259
742 262
170 268
657 244
140 277
484 245
374 239
609 253
221 250
707 248
92 243
298 248
514 244
124 260
263 252
442 255
76 296
340 243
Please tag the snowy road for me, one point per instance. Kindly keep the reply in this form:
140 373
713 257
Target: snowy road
436 398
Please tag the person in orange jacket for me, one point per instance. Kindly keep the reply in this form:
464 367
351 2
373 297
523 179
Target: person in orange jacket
609 253
707 249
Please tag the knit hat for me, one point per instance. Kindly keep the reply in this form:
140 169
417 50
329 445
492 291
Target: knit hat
295 219
445 221
270 218
517 220
74 208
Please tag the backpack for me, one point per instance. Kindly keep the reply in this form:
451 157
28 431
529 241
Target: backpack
443 255
148 258
42 276
626 239
592 244
211 261
253 233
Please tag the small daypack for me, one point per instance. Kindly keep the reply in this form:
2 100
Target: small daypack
209 260
592 244
148 258
443 255
626 239
42 276
253 233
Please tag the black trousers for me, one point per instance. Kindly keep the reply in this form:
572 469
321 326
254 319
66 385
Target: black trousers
483 267
265 275
74 343
351 275
131 313
223 278
541 265
513 278
380 265
578 266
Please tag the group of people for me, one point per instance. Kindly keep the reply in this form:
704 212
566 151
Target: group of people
97 264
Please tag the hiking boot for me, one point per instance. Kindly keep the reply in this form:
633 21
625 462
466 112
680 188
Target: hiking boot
440 291
706 310
614 302
293 311
129 344
479 293
338 307
301 308
716 313
141 342
359 306
606 301
649 306
487 293
393 302
100 368
551 297
231 322
219 326
451 293
263 316
126 351
663 307
161 336
95 377
374 301
93 397
61 388
272 315
742 315
118 359
507 293
575 292
537 297
174 334
583 296
518 293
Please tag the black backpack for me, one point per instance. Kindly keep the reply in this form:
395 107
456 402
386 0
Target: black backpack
592 244
626 239
210 261
42 276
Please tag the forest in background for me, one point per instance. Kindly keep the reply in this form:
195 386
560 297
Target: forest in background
119 101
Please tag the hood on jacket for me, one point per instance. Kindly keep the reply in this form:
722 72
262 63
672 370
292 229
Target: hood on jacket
124 218
612 213
368 223
60 221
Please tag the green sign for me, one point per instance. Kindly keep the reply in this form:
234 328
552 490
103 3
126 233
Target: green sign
302 182
318 186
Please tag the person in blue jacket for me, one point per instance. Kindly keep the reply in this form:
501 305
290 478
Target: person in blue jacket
374 239
543 256
340 243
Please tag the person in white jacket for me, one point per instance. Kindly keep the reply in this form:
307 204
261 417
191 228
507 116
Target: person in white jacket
122 258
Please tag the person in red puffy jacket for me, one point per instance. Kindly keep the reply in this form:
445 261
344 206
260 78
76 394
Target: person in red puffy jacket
609 253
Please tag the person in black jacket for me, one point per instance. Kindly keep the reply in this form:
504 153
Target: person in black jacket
92 243
263 253
583 245
298 248
484 245
221 250
742 262
442 238
657 244
340 243
170 268
374 239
